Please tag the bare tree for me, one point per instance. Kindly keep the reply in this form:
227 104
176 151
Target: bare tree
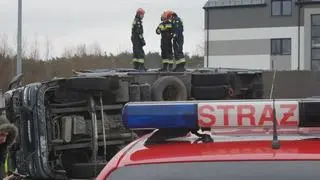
48 48
81 50
200 50
34 51
96 49
5 49
67 52
24 46
201 46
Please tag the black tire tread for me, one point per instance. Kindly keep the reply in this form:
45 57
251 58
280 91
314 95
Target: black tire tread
160 84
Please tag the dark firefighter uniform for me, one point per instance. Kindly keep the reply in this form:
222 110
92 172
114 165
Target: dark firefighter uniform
138 42
165 29
178 40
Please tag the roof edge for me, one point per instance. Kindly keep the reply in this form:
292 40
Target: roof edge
238 6
215 4
306 2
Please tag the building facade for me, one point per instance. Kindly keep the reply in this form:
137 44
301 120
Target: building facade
262 34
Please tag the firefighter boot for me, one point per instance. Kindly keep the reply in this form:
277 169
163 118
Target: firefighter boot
142 67
180 68
170 67
136 65
164 67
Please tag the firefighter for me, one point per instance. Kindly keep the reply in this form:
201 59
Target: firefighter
8 135
159 31
138 41
178 41
165 29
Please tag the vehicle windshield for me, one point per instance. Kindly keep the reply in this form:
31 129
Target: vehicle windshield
248 170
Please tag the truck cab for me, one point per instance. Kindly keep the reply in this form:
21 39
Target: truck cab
68 128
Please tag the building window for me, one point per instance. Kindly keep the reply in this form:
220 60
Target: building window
281 46
315 42
281 7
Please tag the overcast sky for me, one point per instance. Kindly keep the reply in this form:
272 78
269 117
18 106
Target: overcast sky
67 23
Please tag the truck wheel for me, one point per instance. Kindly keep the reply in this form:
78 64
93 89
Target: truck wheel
169 88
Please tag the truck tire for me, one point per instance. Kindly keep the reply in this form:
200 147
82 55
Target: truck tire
169 88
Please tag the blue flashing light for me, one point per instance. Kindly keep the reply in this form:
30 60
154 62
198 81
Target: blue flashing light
162 115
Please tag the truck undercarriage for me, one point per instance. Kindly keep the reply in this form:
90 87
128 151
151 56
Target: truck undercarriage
70 127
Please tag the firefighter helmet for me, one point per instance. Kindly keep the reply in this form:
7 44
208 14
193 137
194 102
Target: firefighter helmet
164 16
140 11
169 14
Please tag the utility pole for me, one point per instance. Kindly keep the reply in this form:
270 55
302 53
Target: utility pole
19 41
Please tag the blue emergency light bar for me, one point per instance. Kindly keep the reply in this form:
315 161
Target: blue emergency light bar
239 113
160 115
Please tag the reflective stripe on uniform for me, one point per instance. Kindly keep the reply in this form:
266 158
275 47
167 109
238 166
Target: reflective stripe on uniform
161 27
6 165
140 60
170 61
165 61
168 26
164 27
180 61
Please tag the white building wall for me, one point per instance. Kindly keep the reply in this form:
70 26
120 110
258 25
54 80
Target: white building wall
302 50
308 12
241 61
255 61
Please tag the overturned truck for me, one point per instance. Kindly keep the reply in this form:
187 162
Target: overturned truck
70 127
